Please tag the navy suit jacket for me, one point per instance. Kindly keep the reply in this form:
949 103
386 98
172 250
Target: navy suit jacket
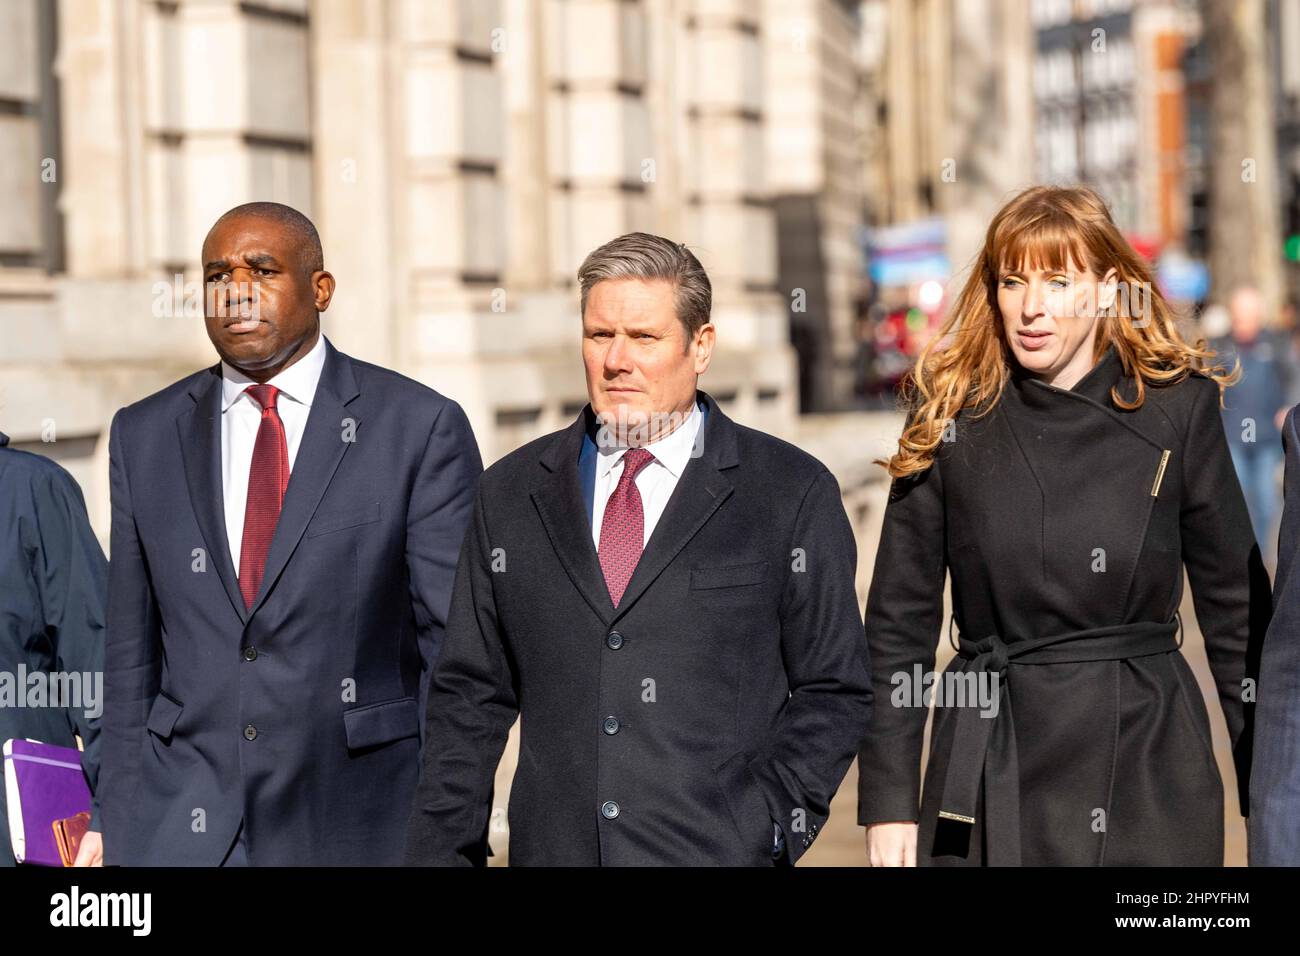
1275 775
302 715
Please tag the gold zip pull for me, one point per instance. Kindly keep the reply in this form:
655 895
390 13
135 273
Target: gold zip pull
1160 474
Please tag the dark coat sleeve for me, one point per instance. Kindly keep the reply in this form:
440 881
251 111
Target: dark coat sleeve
473 701
132 656
1275 771
1230 587
71 578
826 666
438 511
903 621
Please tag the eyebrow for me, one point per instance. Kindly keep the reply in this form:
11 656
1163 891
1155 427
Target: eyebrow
1021 272
258 260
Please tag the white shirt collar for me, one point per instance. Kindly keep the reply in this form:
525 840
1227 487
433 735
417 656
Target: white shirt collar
673 451
297 382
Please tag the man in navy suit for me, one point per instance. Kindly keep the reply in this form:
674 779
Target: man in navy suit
665 598
1275 773
285 526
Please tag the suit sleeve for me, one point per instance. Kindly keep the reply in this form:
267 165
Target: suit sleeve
473 701
72 581
132 658
826 668
1275 770
437 514
903 620
1230 587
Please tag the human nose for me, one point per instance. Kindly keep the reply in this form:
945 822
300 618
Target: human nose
1032 305
617 356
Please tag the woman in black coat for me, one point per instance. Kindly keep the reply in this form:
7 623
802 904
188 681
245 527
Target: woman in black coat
1063 459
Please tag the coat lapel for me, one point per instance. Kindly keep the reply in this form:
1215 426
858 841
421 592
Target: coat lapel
700 491
1084 458
200 436
560 503
322 447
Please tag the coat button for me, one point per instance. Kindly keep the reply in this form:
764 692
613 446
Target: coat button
250 653
250 732
609 810
614 640
610 725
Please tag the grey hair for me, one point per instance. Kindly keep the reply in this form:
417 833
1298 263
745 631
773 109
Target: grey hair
640 255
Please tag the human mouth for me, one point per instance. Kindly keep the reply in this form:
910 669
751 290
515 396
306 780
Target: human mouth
1033 341
240 326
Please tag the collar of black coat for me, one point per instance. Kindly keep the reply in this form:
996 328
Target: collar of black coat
1095 386
718 445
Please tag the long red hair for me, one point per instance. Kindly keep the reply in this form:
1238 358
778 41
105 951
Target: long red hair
968 362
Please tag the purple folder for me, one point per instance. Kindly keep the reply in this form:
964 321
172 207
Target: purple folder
43 783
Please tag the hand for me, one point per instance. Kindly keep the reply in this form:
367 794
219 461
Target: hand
91 851
891 844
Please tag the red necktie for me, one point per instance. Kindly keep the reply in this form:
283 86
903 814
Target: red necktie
622 529
267 478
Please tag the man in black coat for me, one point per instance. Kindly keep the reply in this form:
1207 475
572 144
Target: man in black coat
285 531
665 598
53 588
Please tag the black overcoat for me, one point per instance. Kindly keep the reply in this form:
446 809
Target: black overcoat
1065 523
728 690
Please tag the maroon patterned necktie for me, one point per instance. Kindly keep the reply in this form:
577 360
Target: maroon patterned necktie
622 529
267 478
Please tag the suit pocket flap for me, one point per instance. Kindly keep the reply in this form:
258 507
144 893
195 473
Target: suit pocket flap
162 715
381 723
327 521
729 577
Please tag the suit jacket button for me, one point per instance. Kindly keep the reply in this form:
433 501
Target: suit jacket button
609 810
611 725
613 640
250 653
250 732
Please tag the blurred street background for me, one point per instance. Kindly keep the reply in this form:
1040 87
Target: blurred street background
833 163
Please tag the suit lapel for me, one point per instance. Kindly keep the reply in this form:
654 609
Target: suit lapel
200 436
322 447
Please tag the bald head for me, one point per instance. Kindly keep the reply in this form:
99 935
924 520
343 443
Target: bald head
301 229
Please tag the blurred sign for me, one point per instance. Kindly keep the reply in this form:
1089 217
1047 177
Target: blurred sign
907 253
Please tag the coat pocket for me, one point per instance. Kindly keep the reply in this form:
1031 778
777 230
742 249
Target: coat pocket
381 723
747 807
732 576
326 521
163 715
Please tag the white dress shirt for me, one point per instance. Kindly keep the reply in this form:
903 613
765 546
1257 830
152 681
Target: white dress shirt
241 417
655 481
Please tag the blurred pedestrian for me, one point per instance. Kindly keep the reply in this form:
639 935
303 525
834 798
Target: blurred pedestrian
1254 409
